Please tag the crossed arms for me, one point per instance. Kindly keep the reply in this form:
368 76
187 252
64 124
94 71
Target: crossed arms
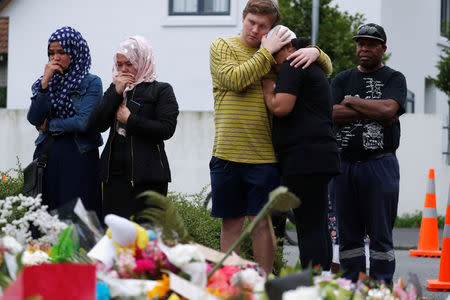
384 111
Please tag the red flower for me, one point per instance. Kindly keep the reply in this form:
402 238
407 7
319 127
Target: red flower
143 266
223 274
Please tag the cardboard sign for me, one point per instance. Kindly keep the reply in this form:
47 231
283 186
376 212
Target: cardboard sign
186 289
215 256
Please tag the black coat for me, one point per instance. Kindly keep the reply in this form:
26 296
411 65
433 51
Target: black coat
151 121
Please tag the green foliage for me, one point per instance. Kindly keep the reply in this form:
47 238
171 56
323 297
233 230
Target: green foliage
336 29
205 229
3 97
442 80
13 185
414 220
162 212
64 250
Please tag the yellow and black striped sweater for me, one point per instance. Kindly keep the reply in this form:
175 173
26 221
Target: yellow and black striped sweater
242 121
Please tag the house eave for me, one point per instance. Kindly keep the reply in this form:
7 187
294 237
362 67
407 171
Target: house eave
3 4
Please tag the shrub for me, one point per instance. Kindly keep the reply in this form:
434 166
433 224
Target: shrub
414 220
205 229
13 185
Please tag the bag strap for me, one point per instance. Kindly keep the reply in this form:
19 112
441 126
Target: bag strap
42 160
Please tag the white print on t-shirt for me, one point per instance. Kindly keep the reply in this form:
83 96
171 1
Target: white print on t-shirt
373 88
371 131
373 136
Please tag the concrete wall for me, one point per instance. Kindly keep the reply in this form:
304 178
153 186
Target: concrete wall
189 152
420 149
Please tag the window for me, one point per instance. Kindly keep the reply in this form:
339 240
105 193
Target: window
410 102
445 18
199 7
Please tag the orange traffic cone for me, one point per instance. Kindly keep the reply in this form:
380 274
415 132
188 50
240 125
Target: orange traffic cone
4 177
429 236
443 282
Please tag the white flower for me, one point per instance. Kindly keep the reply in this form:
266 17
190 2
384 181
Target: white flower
249 278
12 245
183 254
302 292
29 211
35 258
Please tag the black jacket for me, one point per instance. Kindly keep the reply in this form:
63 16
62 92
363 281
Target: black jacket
151 121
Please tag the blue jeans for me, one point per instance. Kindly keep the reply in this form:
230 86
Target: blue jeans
366 195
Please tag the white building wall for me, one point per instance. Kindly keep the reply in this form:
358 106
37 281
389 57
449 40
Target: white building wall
420 150
370 9
181 44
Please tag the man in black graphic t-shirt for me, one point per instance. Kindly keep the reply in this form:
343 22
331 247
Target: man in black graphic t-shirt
368 100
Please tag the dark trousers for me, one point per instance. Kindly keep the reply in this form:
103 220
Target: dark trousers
120 198
314 240
70 175
366 195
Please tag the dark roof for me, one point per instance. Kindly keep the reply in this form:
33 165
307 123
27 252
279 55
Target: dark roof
4 35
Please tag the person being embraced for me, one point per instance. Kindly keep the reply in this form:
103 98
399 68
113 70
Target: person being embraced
63 98
141 113
305 146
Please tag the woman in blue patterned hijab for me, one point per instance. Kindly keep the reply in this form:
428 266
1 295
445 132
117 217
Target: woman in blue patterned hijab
69 78
63 99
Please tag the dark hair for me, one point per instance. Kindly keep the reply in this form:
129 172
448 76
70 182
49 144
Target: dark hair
263 7
300 42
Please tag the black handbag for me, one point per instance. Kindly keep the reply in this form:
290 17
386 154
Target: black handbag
33 174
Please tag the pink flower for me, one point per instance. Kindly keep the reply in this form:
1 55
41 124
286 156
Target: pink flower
143 266
344 283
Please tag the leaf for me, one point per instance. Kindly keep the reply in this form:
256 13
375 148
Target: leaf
283 199
5 280
162 212
63 251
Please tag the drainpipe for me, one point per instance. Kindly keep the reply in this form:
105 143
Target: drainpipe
315 22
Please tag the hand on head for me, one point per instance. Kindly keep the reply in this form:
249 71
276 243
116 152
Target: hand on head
304 56
277 40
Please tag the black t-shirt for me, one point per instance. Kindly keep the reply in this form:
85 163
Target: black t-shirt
359 139
304 140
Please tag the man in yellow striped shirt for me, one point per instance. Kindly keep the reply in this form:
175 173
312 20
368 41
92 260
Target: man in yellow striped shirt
243 166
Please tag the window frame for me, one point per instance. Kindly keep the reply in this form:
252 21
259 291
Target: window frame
200 10
230 20
445 15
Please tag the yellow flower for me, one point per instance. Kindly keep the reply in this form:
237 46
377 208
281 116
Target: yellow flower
174 296
161 289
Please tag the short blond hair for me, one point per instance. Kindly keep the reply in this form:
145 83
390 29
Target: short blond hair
263 7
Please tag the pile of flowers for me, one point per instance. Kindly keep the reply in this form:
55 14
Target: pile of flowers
328 287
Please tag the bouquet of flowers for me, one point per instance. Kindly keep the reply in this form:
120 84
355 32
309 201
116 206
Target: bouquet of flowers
27 220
